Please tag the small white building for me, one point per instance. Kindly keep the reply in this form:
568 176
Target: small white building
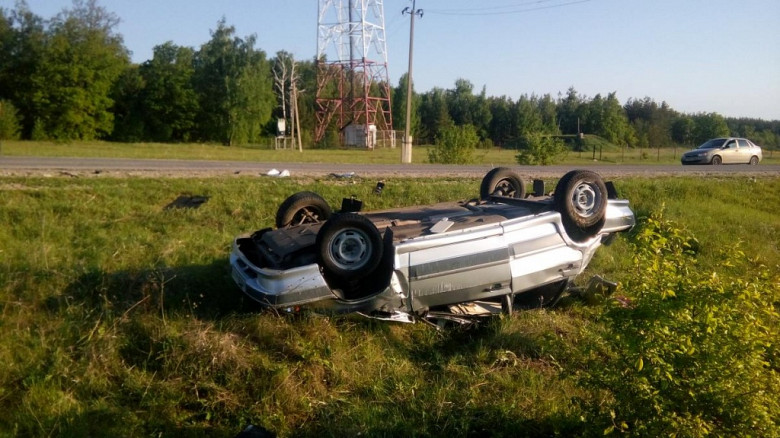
359 135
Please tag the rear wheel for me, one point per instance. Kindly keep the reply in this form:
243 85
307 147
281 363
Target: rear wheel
302 208
581 199
753 160
502 181
349 246
716 160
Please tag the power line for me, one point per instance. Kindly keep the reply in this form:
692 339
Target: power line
517 8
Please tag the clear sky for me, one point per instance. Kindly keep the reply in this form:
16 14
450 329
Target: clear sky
697 55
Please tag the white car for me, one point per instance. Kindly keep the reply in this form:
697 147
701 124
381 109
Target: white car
729 150
505 248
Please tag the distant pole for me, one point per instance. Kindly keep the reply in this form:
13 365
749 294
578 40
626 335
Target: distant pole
406 148
297 119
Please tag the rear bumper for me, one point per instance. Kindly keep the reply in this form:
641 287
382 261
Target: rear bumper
279 288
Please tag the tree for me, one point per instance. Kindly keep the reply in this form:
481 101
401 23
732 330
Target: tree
81 60
467 109
500 131
526 117
434 114
399 107
707 126
234 85
569 112
682 130
168 97
282 69
22 41
129 112
535 148
454 145
614 124
9 121
651 121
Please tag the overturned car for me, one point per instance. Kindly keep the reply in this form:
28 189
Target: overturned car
501 250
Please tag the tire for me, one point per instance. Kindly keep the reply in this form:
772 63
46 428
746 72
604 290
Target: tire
581 199
502 181
302 208
349 246
716 160
753 160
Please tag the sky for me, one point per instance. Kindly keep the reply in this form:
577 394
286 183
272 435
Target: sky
698 56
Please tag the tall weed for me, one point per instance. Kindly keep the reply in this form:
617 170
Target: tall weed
688 351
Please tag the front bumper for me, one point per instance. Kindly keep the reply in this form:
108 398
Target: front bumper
696 159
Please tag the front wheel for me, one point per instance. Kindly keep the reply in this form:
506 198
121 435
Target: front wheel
349 246
581 199
716 160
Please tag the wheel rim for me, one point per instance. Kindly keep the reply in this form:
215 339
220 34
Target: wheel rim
753 161
350 249
505 188
585 200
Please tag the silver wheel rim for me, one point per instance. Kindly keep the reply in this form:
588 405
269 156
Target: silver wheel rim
585 199
350 249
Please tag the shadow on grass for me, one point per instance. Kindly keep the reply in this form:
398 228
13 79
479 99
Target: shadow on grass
459 421
203 291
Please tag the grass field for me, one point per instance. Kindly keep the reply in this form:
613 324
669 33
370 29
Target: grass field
494 156
119 317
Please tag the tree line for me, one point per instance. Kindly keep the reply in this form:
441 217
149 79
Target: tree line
70 77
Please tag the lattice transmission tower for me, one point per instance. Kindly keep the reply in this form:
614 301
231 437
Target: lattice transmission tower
353 88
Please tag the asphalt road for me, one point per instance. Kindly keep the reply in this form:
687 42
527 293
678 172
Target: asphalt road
13 165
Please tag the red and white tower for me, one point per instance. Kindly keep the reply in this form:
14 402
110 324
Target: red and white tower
353 87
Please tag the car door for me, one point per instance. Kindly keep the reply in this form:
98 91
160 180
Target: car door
461 266
729 153
744 151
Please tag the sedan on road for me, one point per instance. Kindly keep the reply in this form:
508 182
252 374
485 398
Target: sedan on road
725 150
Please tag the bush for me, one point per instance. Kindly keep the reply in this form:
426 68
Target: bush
689 352
9 121
540 149
454 145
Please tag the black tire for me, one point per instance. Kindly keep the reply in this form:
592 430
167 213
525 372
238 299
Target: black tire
753 160
349 246
581 199
302 208
502 181
716 160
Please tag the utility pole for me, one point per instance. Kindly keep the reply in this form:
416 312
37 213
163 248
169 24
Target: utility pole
406 148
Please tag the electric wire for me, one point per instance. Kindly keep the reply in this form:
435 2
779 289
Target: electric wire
528 6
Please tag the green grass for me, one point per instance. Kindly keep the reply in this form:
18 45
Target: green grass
495 156
119 318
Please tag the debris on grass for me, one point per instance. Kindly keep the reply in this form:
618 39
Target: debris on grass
187 201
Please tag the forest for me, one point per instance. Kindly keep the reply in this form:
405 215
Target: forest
70 77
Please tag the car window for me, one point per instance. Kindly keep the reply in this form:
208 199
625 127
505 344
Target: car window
731 144
743 143
712 144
